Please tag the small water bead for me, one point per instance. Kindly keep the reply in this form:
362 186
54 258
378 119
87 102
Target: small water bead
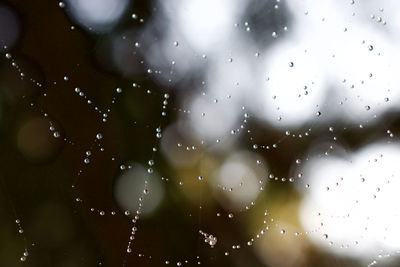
230 215
158 135
325 236
370 48
86 161
298 161
56 134
367 107
151 162
200 178
61 4
283 231
8 56
99 136
176 43
146 191
118 90
291 64
318 113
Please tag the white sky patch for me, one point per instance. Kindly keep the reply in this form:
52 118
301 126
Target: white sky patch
204 24
99 15
334 53
358 213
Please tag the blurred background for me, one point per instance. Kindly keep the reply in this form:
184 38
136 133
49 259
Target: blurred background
201 132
